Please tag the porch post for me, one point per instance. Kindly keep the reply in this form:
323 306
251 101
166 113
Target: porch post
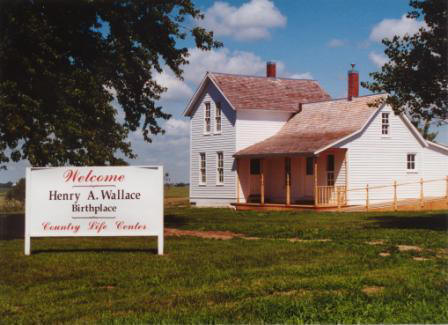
346 178
262 181
237 181
315 182
288 180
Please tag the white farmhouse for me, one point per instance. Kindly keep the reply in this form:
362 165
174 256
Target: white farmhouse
276 141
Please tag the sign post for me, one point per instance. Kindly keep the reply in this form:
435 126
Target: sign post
94 201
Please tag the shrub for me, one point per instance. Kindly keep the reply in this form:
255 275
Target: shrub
17 192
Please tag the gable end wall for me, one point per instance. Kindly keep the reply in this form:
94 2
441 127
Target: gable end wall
212 194
379 160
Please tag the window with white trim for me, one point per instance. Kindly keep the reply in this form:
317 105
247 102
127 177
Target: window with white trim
218 118
207 121
220 168
410 162
385 124
202 169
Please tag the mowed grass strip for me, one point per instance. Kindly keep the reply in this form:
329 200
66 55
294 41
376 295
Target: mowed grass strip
271 279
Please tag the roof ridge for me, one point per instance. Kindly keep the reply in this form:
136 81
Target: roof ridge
261 77
343 98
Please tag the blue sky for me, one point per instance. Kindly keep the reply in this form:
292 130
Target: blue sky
308 39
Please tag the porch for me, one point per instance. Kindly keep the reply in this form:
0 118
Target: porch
294 182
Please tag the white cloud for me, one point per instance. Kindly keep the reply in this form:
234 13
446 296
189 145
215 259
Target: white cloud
363 44
336 42
378 58
305 75
223 60
177 90
388 28
174 127
251 21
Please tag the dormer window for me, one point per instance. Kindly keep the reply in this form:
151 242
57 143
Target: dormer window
385 123
207 121
218 118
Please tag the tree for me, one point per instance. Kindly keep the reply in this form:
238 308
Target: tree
17 192
60 62
424 129
416 76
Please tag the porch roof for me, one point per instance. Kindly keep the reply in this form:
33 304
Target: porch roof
318 126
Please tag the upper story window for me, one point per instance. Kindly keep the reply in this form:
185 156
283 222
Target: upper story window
385 123
411 162
207 121
202 169
218 118
220 168
309 165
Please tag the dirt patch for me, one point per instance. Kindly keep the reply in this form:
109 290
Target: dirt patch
419 258
442 251
300 292
298 240
375 242
384 254
372 290
226 235
407 248
223 235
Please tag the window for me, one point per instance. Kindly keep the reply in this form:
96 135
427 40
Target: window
202 169
385 123
287 170
330 170
310 166
255 166
207 126
411 162
218 118
220 168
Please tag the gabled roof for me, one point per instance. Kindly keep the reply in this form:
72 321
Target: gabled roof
318 126
252 92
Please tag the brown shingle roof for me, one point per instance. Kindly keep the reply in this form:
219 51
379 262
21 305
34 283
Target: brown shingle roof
250 92
315 127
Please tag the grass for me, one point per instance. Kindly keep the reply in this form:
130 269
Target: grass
271 280
176 192
8 206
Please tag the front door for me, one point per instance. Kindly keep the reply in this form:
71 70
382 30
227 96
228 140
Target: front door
309 178
255 186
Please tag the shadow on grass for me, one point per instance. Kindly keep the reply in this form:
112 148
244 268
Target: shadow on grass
12 226
96 250
173 221
437 222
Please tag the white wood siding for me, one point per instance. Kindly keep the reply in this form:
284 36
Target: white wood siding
211 193
253 126
379 160
435 167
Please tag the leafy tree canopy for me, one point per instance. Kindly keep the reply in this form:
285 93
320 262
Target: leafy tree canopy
416 76
59 61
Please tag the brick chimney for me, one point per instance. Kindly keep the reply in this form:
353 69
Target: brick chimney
353 83
270 69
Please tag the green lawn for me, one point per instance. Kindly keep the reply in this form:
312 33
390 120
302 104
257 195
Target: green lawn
269 279
176 191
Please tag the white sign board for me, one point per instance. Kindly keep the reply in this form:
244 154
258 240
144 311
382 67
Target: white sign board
94 201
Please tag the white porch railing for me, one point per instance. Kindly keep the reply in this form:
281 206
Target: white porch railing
331 195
